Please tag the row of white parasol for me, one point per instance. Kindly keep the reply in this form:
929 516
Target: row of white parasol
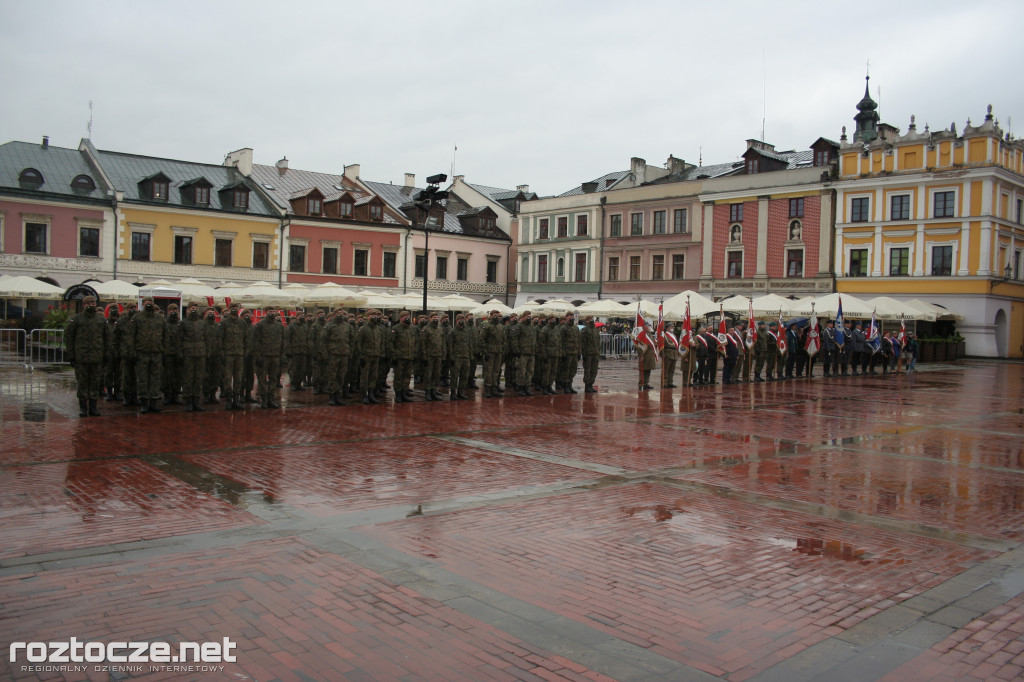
334 295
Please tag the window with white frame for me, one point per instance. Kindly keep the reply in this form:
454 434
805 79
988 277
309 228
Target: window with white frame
88 240
260 253
794 263
944 204
942 256
899 261
679 225
361 261
390 264
858 262
36 236
860 209
899 207
329 258
734 264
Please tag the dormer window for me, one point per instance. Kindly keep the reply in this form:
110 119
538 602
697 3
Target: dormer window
159 190
752 166
313 206
376 212
31 176
83 183
516 205
200 194
821 157
240 198
487 223
345 209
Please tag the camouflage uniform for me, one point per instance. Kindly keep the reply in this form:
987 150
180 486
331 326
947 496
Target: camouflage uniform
122 329
112 373
268 352
553 351
370 342
460 350
432 349
337 343
146 345
523 343
590 346
296 341
87 340
234 343
760 351
404 342
492 343
194 349
568 364
172 360
214 362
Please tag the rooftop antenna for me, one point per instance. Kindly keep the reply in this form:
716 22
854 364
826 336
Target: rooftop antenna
764 96
452 176
700 155
89 126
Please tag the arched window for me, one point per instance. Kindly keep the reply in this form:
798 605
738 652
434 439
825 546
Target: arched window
31 176
560 271
83 183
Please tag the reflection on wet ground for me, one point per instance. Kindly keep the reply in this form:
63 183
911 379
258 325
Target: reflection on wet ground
721 529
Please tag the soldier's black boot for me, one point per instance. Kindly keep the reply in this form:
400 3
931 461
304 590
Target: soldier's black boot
487 391
462 396
189 405
333 402
498 388
399 397
366 398
453 395
83 409
145 407
111 397
94 410
527 392
570 389
196 406
154 405
407 394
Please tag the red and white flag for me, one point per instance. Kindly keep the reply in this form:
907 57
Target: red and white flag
812 343
723 337
782 335
902 338
686 337
659 332
640 334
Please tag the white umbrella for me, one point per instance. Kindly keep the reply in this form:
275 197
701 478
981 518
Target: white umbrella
160 283
605 308
771 304
828 305
333 295
494 304
889 308
938 311
459 302
556 306
194 291
23 286
675 307
262 293
117 290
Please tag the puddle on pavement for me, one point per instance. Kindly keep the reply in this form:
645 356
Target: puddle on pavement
232 492
34 412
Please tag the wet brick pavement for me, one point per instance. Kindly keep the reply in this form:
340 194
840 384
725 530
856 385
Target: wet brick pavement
858 528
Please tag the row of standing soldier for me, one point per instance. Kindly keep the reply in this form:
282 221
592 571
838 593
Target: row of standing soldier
148 358
740 354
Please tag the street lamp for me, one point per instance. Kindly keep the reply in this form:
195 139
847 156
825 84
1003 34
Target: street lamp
426 200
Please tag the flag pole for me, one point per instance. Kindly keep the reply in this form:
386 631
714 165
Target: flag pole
661 303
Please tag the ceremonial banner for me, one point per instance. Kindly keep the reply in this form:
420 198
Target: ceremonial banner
813 343
722 336
840 329
751 327
640 332
874 338
782 335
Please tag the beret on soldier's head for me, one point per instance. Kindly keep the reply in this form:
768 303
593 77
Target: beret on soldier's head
88 299
495 312
373 311
760 323
147 299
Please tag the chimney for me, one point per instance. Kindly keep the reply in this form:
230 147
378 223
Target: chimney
458 178
351 171
525 189
676 166
758 144
46 141
638 167
589 187
282 165
410 179
240 159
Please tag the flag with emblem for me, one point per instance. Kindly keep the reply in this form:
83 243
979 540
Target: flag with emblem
751 327
659 331
782 335
640 334
813 342
840 334
874 337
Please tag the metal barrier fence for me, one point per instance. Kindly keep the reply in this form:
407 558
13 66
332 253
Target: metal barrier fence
45 347
12 346
616 345
38 348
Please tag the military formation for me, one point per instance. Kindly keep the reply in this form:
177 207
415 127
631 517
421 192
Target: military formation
151 358
780 354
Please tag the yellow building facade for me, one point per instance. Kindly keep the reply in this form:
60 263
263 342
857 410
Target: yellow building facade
936 216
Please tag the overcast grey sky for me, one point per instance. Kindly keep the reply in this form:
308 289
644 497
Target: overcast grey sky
548 93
